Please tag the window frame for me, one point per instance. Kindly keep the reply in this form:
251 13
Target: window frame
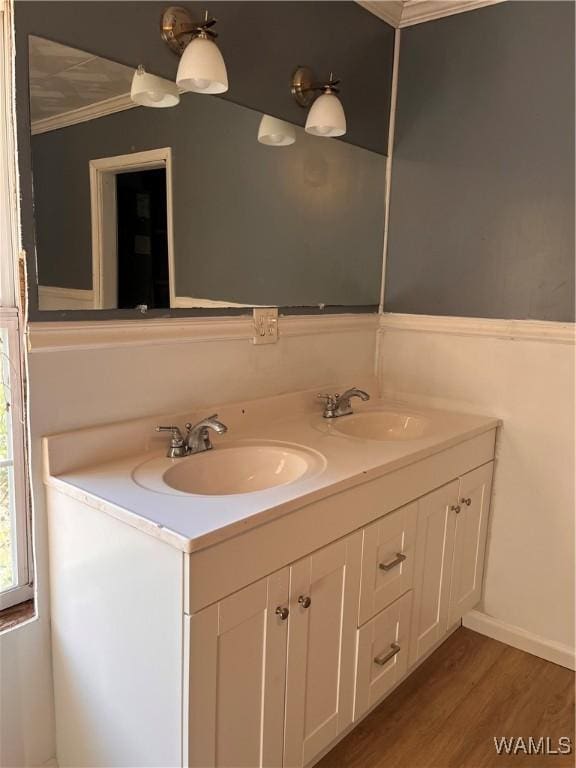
12 316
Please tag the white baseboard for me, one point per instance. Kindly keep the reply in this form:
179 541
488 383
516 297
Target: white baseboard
558 653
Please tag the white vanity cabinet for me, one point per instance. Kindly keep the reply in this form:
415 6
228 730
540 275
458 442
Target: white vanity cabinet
450 545
383 646
321 648
235 683
470 541
259 649
281 668
388 557
271 668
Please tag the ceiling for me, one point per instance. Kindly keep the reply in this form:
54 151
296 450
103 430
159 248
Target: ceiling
64 80
405 13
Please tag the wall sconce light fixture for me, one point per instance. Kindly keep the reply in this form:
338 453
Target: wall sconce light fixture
326 116
152 91
275 132
202 68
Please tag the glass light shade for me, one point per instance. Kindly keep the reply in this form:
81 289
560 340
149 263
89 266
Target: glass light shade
152 91
326 117
275 133
202 68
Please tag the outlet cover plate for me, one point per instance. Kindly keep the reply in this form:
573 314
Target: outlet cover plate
265 325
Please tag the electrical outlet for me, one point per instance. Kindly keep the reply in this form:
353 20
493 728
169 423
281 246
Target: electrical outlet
265 325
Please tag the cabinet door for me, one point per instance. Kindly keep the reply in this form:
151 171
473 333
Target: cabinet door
236 650
321 648
387 560
434 550
470 541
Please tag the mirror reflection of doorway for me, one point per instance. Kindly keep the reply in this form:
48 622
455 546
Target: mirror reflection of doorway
142 246
132 237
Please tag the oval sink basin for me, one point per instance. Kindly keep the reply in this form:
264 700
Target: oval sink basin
382 425
233 469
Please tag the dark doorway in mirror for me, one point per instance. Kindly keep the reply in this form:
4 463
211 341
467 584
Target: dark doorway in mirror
142 239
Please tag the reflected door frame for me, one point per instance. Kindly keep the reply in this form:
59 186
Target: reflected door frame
103 212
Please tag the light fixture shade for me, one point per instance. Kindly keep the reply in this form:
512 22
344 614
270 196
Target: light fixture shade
275 133
202 68
326 117
152 91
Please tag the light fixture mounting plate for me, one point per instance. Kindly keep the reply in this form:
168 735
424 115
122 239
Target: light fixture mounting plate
174 25
302 86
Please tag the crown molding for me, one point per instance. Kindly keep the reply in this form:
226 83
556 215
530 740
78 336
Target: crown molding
406 13
83 114
389 11
420 11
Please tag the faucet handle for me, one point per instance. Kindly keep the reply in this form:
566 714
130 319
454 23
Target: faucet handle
176 433
177 446
330 404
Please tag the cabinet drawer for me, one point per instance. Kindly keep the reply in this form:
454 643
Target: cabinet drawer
387 560
382 658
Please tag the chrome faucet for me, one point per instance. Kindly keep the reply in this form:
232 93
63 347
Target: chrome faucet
339 405
197 438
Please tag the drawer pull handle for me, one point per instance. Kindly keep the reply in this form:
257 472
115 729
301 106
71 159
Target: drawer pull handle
305 602
393 563
283 613
467 501
384 658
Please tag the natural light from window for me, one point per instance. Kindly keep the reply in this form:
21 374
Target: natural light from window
15 581
8 564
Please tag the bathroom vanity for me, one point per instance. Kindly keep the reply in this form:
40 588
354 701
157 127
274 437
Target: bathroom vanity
249 605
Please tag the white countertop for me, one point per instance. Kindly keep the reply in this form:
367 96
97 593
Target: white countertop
193 522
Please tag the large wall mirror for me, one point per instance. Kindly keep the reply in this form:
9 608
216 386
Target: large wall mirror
215 204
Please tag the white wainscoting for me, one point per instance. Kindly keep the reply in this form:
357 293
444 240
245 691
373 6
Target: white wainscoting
138 368
53 297
523 372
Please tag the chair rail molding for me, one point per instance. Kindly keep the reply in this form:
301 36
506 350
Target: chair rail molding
528 330
63 336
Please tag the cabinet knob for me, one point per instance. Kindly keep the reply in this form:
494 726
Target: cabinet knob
282 612
467 501
305 602
456 508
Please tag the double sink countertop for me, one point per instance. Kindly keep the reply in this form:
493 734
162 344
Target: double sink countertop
120 468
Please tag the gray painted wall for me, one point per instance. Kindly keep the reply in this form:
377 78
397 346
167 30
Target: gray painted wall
293 226
482 207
